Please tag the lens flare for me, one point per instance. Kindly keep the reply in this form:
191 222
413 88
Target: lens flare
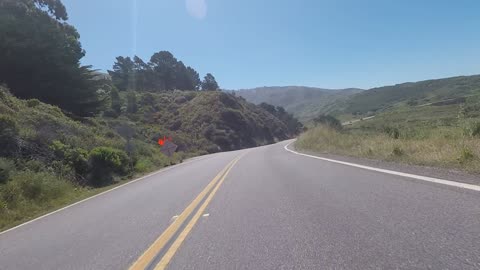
197 8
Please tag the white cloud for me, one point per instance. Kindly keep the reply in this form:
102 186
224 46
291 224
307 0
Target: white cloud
196 8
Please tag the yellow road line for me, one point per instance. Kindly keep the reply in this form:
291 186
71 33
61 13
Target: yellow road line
143 261
178 242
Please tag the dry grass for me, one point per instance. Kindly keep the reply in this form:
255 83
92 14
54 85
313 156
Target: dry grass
441 147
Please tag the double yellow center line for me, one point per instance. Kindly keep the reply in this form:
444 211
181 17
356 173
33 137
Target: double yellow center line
149 256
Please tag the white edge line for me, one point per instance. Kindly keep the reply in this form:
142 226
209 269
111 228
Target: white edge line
414 176
102 193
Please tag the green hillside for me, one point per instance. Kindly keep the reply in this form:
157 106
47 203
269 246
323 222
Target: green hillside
433 123
306 103
207 121
303 102
451 90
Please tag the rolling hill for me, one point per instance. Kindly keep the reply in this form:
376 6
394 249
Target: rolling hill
303 102
432 123
306 102
449 90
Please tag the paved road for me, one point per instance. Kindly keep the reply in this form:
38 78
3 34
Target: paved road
274 210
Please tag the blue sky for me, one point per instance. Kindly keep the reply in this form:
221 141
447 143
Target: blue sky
322 43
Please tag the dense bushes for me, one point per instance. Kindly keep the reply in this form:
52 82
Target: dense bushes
8 134
292 124
76 158
98 166
27 192
104 162
5 169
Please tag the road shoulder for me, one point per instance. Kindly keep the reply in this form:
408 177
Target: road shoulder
442 173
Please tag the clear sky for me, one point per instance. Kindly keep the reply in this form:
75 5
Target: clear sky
322 43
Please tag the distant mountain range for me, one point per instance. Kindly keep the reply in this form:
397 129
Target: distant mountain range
308 102
304 102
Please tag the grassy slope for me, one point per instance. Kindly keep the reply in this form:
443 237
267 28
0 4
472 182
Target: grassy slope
439 147
35 178
208 121
429 132
304 102
389 97
38 179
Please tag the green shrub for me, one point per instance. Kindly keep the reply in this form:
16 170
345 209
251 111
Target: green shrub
6 167
31 186
412 102
397 151
132 106
392 132
28 193
3 207
110 113
476 130
234 119
466 155
143 165
472 129
34 165
33 103
10 194
329 121
65 171
104 162
77 158
110 134
8 135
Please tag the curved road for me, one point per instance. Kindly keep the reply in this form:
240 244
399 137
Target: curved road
269 209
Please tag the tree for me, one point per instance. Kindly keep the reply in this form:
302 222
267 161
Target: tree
194 79
162 72
209 83
40 56
132 102
182 81
269 108
123 73
116 101
293 125
143 74
55 8
164 64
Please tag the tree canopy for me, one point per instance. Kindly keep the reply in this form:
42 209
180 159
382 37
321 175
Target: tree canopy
40 56
209 83
293 125
162 72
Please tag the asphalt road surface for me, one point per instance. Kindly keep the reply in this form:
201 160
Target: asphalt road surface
260 208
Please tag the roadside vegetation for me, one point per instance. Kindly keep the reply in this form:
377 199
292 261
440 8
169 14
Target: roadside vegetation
48 159
435 135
